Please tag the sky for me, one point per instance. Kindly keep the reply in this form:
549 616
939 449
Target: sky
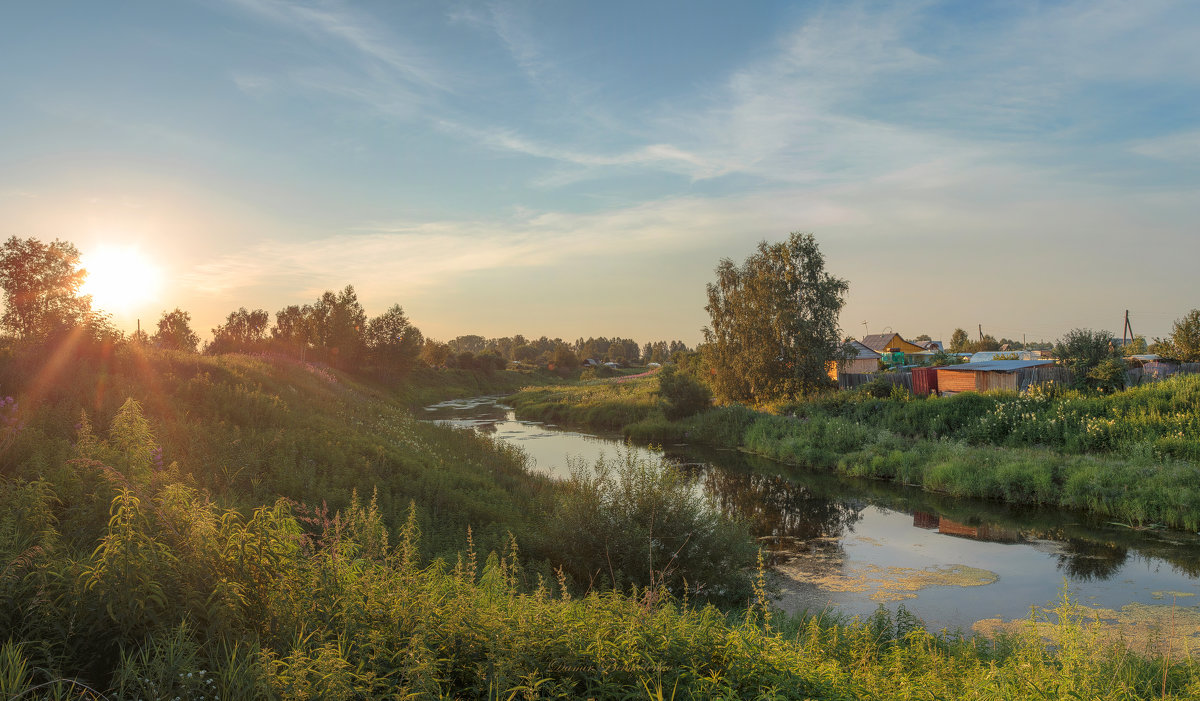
579 169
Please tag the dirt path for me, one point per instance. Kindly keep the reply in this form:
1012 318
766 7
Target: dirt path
648 373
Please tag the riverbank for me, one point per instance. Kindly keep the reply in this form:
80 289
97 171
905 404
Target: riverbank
1131 456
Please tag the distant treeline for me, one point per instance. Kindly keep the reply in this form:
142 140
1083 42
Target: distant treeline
43 307
562 353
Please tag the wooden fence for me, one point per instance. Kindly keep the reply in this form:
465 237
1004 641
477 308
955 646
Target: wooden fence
851 380
1043 374
1154 373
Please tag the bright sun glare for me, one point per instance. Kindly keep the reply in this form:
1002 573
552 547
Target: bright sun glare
120 279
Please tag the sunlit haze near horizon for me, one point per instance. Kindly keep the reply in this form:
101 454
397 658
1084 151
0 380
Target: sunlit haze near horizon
579 169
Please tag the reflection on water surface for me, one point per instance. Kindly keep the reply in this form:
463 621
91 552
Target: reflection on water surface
853 545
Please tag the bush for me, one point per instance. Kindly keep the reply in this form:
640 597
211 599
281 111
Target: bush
684 395
596 372
630 521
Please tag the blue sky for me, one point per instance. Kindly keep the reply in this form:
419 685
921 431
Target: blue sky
577 168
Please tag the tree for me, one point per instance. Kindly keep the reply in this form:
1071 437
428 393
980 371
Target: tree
243 332
393 341
1137 346
41 287
1185 337
470 343
435 354
175 332
336 324
774 322
525 353
959 341
683 394
1082 351
564 357
987 343
291 333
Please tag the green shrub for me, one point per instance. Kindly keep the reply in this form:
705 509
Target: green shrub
630 521
684 395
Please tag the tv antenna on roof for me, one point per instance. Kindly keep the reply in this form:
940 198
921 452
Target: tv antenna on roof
865 330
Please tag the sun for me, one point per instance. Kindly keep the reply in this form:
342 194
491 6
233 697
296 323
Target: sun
120 279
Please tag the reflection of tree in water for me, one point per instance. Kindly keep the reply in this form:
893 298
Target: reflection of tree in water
1085 560
778 507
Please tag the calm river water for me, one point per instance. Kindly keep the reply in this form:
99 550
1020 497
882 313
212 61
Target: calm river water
852 545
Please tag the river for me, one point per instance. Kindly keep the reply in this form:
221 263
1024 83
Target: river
849 545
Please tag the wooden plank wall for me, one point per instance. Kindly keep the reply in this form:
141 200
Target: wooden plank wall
854 380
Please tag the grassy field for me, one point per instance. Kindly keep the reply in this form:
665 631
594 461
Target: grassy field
178 526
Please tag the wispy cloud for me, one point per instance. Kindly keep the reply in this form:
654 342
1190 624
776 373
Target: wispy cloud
658 155
409 256
341 25
1182 146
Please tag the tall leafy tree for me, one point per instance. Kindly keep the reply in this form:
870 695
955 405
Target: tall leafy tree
1185 337
337 325
435 354
175 332
960 342
243 331
41 287
470 343
394 343
1083 351
774 322
291 331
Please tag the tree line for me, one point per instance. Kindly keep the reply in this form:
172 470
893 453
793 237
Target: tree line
41 284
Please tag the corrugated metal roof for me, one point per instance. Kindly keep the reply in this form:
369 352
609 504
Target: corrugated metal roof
862 352
984 356
997 365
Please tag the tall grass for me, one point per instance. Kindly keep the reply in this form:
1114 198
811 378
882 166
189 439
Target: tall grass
343 618
603 404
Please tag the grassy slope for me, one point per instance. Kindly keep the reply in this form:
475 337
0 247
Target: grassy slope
185 597
250 429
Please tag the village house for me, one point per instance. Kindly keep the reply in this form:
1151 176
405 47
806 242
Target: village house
861 360
890 343
915 353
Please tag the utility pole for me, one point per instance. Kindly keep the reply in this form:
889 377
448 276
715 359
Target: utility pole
981 332
1127 332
